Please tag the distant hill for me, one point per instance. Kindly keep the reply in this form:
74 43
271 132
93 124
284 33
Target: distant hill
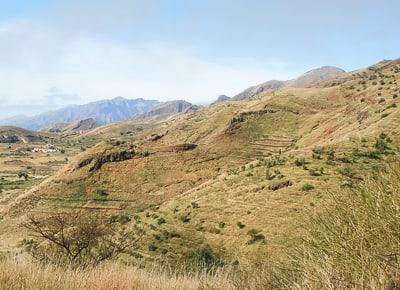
311 78
165 110
11 134
221 99
72 127
103 112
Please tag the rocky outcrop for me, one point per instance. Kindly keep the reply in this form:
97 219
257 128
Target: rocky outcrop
154 137
112 157
9 139
178 147
101 159
280 185
243 116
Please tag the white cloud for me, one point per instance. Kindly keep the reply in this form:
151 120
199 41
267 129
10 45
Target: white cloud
35 57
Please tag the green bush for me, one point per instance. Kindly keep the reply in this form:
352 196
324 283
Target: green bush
307 187
184 218
300 162
161 221
206 258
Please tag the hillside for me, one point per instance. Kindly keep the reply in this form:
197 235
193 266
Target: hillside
235 182
239 177
11 134
103 112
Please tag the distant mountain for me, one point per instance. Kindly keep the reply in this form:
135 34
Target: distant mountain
105 111
309 79
221 99
163 111
268 86
14 120
72 127
315 77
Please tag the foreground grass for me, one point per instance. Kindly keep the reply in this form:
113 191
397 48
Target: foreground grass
24 274
354 244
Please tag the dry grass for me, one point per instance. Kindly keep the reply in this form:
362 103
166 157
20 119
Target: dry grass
23 274
355 244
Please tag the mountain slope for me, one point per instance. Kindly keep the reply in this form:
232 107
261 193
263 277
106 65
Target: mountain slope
163 111
73 127
221 99
239 177
103 112
309 79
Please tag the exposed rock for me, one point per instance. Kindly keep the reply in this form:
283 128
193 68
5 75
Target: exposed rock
112 157
9 139
178 147
101 159
243 116
155 137
280 185
85 162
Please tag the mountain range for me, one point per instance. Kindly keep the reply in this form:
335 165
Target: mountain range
103 112
120 109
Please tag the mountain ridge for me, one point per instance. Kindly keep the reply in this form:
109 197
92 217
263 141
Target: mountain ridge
310 78
103 112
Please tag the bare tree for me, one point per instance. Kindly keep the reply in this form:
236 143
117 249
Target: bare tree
76 239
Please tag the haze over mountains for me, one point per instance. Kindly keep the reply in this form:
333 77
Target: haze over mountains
120 109
105 111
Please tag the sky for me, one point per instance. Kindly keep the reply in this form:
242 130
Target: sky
55 53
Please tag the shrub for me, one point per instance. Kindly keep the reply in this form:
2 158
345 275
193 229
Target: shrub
161 221
123 219
255 236
300 162
384 115
206 258
315 172
152 248
184 218
240 225
307 187
23 174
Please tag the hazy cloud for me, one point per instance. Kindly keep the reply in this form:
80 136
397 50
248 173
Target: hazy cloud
85 51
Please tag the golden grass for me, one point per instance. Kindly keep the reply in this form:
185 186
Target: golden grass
24 274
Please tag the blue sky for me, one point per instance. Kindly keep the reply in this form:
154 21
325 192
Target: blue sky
55 53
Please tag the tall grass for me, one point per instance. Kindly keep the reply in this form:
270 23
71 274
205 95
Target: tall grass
24 274
356 242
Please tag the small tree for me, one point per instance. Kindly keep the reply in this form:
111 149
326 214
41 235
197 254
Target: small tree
77 239
23 174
